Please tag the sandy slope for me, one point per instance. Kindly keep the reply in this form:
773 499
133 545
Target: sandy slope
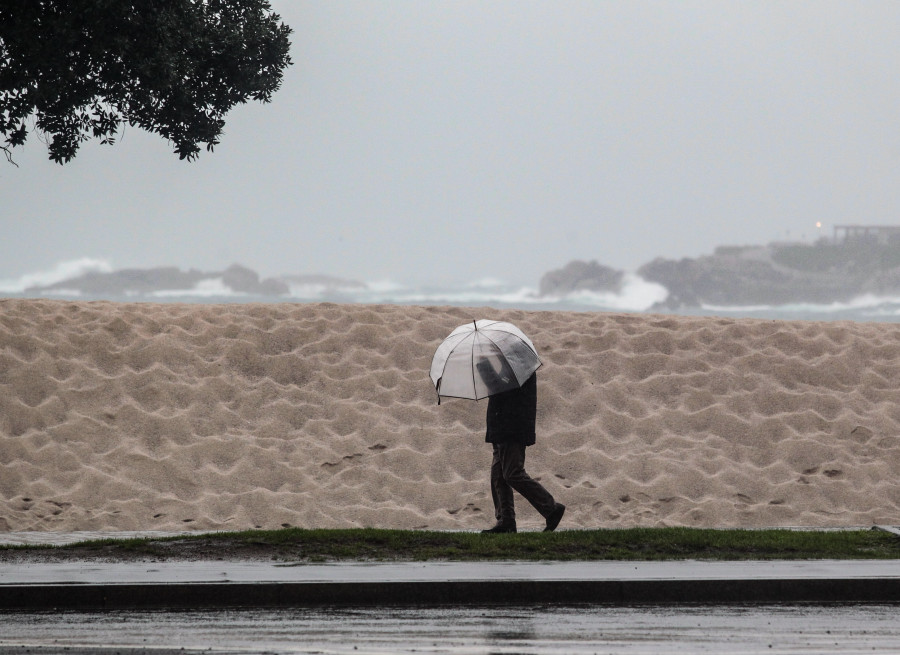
169 417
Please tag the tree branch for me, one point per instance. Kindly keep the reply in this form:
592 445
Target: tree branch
8 153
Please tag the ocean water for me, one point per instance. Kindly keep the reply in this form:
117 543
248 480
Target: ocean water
636 296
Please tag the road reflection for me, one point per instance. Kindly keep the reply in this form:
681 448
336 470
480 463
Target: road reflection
504 631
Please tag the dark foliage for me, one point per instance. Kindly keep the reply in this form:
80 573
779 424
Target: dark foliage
81 69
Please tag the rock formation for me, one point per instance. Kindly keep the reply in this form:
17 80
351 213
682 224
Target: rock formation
580 276
145 282
776 274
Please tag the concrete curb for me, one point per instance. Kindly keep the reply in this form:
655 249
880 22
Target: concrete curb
221 595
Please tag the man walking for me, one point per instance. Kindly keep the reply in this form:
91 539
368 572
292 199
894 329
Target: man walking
510 422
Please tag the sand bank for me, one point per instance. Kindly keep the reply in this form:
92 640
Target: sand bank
172 417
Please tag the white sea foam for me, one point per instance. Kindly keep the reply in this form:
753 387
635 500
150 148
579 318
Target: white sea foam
384 286
487 283
66 270
321 291
210 288
636 295
308 291
466 295
64 293
864 303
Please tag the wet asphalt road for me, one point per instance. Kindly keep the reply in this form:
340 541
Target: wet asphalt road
734 630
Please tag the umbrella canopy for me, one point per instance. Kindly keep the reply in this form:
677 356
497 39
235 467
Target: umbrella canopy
483 358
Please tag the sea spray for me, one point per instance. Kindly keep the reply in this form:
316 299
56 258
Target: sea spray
62 271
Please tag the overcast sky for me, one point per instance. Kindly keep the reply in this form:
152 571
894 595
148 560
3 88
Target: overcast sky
446 142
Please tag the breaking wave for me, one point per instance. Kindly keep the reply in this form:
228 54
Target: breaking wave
210 288
635 295
63 271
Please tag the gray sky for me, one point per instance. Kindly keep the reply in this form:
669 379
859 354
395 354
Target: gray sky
445 142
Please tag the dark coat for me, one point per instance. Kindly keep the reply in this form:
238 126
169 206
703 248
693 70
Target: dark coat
511 415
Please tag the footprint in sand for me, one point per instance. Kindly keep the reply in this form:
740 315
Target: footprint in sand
562 477
345 458
59 507
469 507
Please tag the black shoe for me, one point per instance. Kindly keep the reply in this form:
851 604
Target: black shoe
555 517
500 528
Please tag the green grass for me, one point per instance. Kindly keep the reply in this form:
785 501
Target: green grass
298 545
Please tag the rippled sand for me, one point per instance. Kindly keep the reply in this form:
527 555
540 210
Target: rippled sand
171 417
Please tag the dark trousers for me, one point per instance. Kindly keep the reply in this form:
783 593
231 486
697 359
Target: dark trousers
508 474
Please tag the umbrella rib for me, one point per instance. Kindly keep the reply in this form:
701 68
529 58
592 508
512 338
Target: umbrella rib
500 350
462 337
474 383
506 332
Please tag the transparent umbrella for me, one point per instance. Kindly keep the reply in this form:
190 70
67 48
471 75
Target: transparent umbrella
483 358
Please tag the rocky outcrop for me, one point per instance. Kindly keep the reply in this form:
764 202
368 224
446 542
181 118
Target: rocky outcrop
243 280
144 282
776 274
737 281
779 274
580 276
135 281
884 283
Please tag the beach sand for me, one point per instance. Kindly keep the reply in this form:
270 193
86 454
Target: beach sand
206 417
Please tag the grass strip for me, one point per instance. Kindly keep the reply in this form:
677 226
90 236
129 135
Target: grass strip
300 545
